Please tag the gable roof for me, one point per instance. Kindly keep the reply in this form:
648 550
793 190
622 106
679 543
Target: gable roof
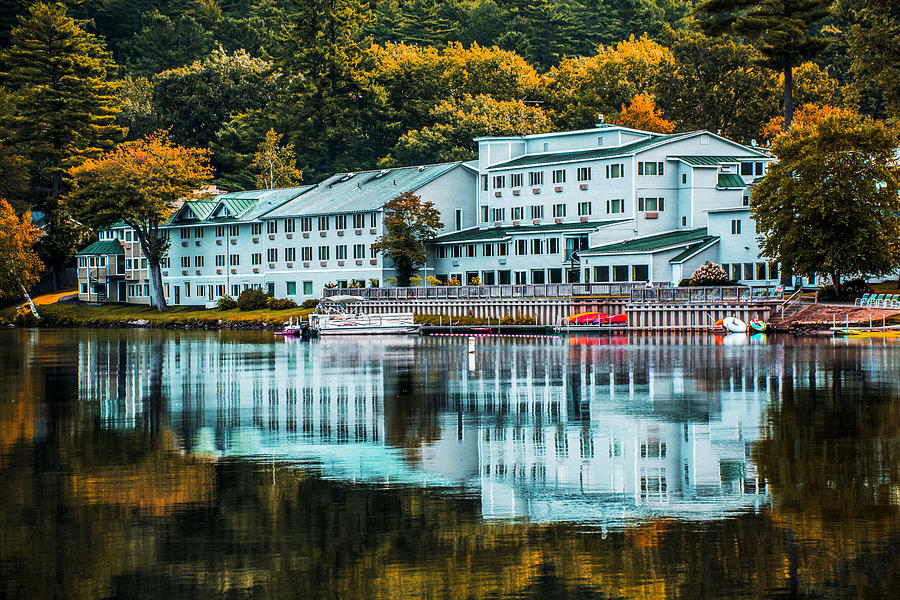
571 155
364 191
729 181
194 210
694 249
241 206
104 247
498 233
654 243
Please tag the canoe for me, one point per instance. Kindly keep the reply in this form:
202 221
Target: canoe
734 325
758 325
618 319
588 318
719 324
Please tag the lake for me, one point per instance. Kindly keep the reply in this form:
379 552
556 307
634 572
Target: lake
183 464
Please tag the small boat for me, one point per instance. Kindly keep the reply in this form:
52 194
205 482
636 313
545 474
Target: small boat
363 324
618 319
759 325
588 318
874 332
291 329
734 325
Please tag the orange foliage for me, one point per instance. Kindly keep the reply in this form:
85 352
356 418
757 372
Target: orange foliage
809 115
19 265
643 114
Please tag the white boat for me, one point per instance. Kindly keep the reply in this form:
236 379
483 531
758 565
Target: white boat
363 324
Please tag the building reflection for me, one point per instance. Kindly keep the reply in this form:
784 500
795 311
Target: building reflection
546 428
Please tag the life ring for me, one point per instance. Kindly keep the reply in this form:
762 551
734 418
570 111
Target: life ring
759 325
734 325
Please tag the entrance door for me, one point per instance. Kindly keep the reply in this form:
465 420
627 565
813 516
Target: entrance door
121 297
177 294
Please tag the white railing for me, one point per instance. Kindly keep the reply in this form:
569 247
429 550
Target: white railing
730 293
541 290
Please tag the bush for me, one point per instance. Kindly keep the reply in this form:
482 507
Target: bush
850 290
226 303
252 299
280 303
311 303
709 273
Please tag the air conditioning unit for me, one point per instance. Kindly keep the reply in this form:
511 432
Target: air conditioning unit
535 221
583 186
306 264
271 236
497 194
358 261
535 190
557 188
306 234
197 242
255 240
340 263
515 223
557 220
289 236
340 232
515 192
358 231
583 219
323 233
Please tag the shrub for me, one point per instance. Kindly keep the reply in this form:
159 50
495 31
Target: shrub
709 273
311 303
415 281
226 303
850 290
252 299
373 282
453 281
433 281
280 303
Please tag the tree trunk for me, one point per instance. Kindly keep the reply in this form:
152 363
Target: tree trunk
836 283
156 285
30 302
788 96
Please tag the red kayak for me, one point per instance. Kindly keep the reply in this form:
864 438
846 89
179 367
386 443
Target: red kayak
588 318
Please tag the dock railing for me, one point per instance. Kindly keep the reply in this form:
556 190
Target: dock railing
541 290
712 294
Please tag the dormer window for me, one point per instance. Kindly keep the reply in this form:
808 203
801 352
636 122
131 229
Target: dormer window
599 140
546 146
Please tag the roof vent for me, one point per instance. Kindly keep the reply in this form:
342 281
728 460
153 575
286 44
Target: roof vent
382 173
421 169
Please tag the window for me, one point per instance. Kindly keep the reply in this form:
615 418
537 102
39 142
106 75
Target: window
499 181
256 258
198 262
601 274
735 227
235 290
760 271
536 178
503 277
291 288
485 213
323 223
340 222
759 168
521 277
584 174
234 260
272 255
518 212
306 253
84 288
359 251
615 171
502 249
559 210
290 254
484 183
290 225
442 251
515 180
746 168
307 288
272 226
373 220
359 221
599 140
220 231
651 168
553 246
615 206
470 250
640 273
185 233
584 209
684 221
324 252
684 178
458 219
559 176
537 246
620 273
537 212
735 271
220 260
498 214
651 204
537 276
340 252
521 247
185 262
748 271
234 230
220 290
455 251
487 250
306 224
773 271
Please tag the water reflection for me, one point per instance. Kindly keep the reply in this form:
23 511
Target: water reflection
149 464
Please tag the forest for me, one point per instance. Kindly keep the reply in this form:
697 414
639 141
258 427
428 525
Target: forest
354 85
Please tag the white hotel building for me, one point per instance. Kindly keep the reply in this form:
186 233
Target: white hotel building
604 204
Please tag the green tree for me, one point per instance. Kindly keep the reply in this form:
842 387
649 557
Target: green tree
408 224
275 164
873 41
62 110
782 30
139 183
829 204
164 42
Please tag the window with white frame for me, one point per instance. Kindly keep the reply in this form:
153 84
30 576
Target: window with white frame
584 209
499 182
553 246
651 204
359 251
537 212
340 252
521 247
484 183
324 252
559 210
306 224
615 171
198 262
498 214
735 226
559 176
518 213
487 250
185 262
502 248
256 258
234 230
359 221
290 225
537 246
220 260
290 254
651 168
306 253
485 214
515 180
272 255
536 178
323 223
234 260
272 226
615 206
584 173
470 250
340 222
220 231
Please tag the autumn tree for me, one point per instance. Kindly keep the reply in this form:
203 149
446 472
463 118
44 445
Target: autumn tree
139 183
829 204
20 267
643 114
62 110
275 165
782 30
408 224
807 116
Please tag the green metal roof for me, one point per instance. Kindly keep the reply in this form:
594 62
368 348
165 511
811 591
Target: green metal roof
654 242
497 233
360 192
693 249
194 210
104 247
711 161
554 157
730 181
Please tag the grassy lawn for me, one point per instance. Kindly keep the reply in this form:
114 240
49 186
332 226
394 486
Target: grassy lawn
886 287
54 314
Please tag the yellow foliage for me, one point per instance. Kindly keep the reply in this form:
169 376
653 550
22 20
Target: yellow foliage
19 265
643 114
807 116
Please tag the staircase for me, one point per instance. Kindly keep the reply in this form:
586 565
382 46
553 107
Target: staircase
797 302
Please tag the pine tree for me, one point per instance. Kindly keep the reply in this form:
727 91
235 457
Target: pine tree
782 30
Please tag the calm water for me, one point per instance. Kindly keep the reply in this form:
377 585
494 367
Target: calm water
147 464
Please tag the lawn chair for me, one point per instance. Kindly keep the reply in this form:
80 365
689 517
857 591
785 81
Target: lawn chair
875 301
862 300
